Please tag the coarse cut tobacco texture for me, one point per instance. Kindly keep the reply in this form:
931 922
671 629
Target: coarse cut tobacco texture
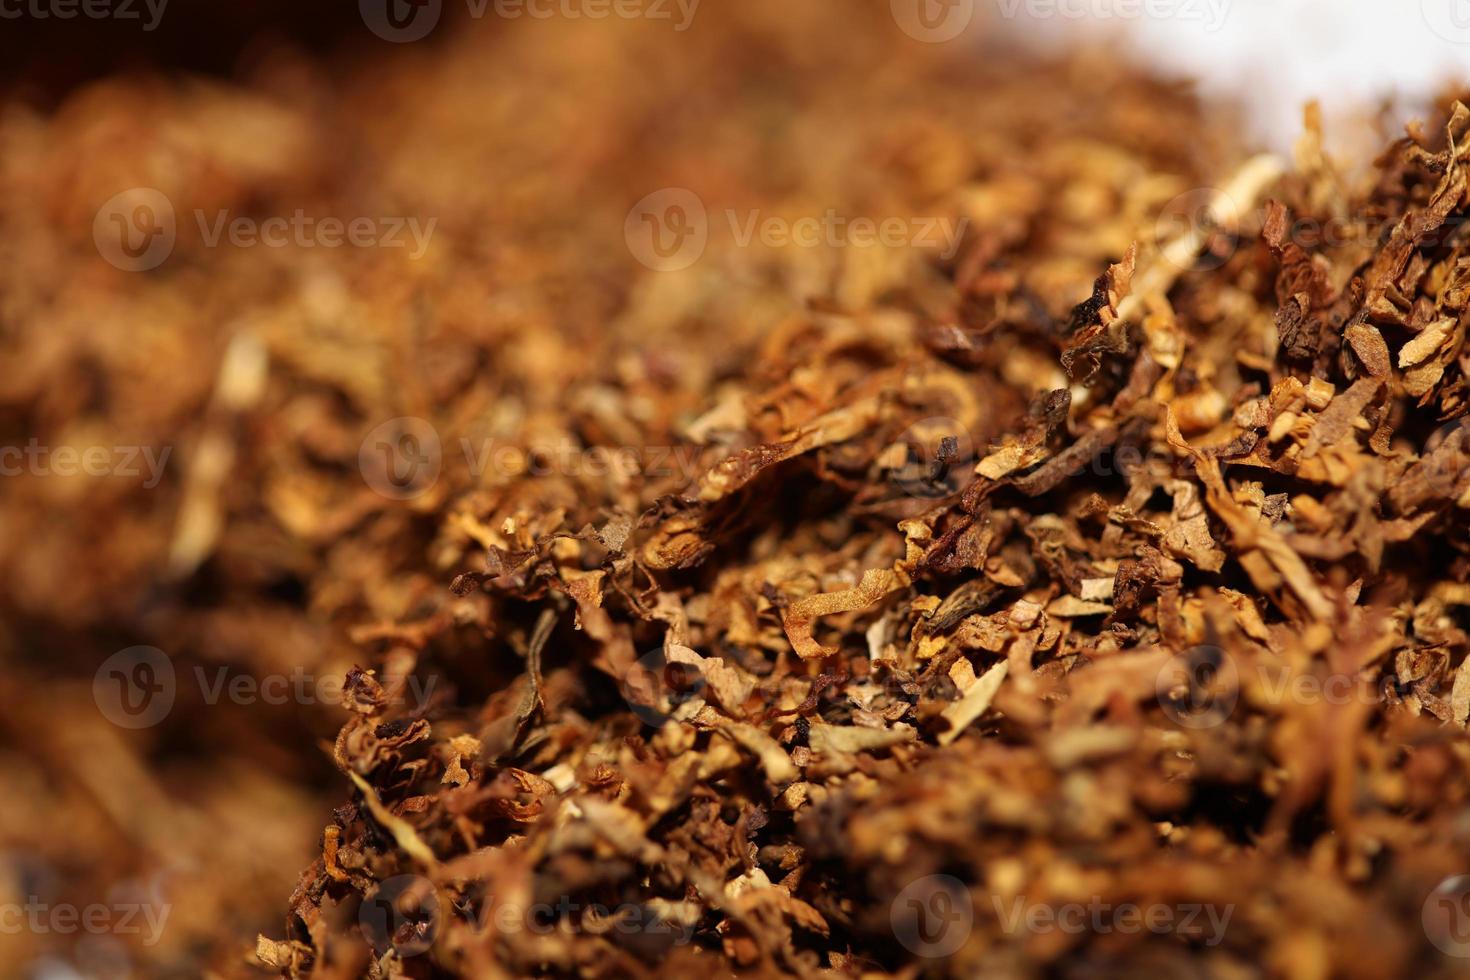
1117 559
1170 617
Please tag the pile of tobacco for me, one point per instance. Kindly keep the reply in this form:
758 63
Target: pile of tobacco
1022 532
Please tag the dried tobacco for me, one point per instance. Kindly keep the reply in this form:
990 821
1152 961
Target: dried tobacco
1112 562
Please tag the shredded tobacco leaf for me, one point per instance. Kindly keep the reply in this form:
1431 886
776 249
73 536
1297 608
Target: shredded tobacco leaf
806 611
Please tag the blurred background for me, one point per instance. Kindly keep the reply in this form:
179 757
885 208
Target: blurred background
196 552
1272 55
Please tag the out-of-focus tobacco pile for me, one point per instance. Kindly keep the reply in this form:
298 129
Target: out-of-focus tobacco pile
781 614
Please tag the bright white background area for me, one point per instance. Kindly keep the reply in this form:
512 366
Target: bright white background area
1273 55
